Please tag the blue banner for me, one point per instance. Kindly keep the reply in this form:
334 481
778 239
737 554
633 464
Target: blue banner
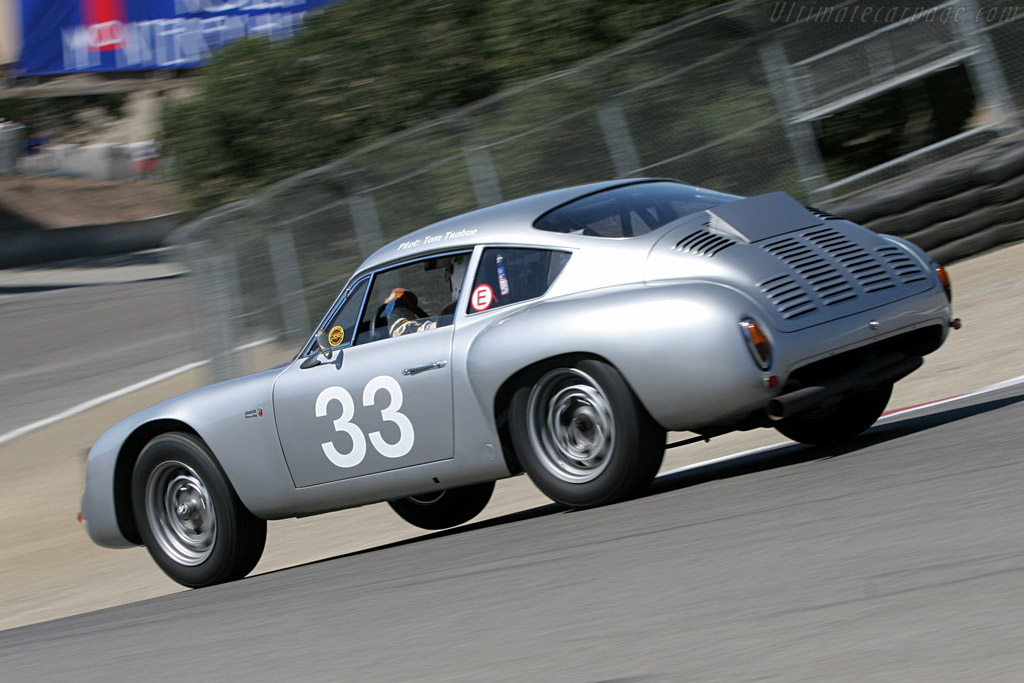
76 36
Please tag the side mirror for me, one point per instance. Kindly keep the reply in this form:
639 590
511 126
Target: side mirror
323 345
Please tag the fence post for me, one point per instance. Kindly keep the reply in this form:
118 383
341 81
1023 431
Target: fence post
617 138
788 104
229 297
366 222
983 68
213 295
482 175
10 146
288 279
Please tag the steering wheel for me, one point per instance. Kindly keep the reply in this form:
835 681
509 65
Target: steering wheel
378 319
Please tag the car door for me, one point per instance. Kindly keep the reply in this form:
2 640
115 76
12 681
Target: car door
382 402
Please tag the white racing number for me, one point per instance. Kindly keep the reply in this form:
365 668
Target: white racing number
406 434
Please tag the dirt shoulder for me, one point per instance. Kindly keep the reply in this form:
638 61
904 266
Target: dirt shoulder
54 202
50 569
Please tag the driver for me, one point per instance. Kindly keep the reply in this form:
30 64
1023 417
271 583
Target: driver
402 306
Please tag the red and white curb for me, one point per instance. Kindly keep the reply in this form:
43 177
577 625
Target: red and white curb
886 417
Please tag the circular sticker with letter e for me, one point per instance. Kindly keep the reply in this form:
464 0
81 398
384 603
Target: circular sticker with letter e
336 335
482 298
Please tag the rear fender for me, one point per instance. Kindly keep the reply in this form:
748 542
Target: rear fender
678 346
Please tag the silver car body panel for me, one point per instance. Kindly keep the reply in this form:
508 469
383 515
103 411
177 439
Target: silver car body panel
663 307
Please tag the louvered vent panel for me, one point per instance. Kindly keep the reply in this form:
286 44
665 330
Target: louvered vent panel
787 296
905 267
824 215
865 268
703 243
831 286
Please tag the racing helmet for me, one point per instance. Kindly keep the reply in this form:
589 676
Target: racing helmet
457 273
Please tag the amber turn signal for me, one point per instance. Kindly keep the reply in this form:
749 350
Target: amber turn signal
757 342
944 279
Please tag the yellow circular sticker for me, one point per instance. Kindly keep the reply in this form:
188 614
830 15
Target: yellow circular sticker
336 335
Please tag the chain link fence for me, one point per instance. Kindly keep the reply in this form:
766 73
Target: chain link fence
732 98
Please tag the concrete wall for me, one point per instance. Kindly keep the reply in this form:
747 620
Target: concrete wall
30 246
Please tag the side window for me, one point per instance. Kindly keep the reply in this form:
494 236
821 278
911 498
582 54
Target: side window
510 275
341 329
414 297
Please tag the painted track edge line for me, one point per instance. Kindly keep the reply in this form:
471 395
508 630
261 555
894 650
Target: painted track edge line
896 413
118 393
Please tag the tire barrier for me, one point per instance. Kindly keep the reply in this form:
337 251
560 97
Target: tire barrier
1001 168
1003 192
971 204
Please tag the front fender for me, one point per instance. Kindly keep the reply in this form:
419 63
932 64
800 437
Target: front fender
234 418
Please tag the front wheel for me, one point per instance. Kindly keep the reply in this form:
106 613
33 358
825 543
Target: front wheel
190 518
837 420
583 437
444 509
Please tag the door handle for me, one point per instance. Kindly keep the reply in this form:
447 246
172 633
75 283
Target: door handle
417 369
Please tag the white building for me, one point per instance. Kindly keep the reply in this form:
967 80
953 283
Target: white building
10 31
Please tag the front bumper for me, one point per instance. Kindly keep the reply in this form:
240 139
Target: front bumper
98 510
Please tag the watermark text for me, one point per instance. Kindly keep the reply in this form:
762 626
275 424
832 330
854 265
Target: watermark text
802 13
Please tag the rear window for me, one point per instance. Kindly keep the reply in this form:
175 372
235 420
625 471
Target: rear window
510 275
630 210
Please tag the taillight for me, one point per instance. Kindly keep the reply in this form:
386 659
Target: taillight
757 342
944 279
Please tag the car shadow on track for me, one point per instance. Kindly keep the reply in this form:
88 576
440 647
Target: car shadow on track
771 458
795 454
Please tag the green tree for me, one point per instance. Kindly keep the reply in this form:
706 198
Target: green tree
363 69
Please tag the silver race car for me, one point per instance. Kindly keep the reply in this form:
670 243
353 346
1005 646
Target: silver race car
561 335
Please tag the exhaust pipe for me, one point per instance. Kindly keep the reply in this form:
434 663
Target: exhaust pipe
890 368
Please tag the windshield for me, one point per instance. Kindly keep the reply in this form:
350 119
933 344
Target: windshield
630 210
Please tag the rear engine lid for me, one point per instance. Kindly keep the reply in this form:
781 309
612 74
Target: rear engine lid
804 268
760 218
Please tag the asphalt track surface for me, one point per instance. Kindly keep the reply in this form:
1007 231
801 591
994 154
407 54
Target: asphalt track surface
65 345
894 558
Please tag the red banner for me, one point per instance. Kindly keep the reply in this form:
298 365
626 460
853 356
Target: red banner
105 21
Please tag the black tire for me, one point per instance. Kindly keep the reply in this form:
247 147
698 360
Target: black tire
838 420
608 447
444 509
216 539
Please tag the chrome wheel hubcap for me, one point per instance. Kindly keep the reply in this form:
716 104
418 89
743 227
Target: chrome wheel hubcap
181 513
571 426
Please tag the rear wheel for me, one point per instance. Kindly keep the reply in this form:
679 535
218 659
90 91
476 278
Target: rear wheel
837 420
444 509
190 518
583 437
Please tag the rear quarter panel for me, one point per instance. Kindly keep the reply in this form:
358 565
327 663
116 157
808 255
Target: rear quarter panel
677 345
